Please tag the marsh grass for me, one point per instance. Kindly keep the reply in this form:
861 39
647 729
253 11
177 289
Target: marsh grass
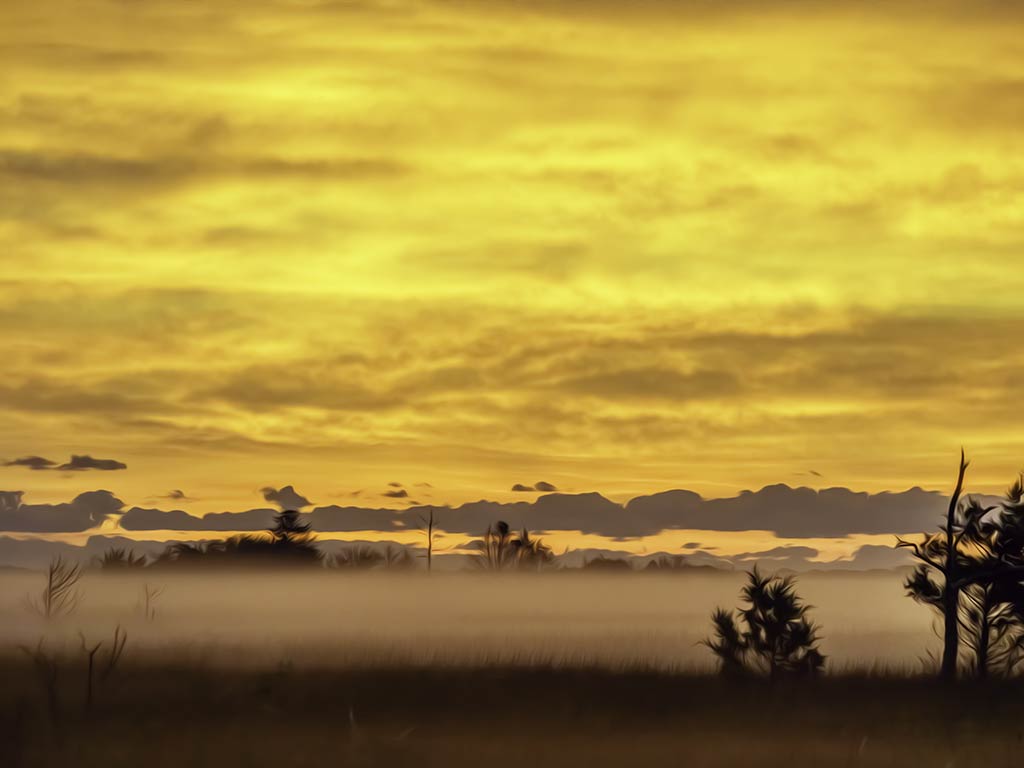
173 712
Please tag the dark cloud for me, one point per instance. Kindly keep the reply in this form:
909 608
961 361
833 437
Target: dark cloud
86 462
32 462
285 498
140 519
395 484
793 512
545 487
788 512
520 488
692 545
85 511
76 464
176 494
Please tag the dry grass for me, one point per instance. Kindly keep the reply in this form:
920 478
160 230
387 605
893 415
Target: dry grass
183 714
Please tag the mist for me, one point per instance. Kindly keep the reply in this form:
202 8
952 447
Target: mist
329 619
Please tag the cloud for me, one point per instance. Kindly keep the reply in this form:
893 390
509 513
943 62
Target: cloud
794 512
285 498
86 462
85 511
400 493
141 519
787 512
32 462
541 487
76 464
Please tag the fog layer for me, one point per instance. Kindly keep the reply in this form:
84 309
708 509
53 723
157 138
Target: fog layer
324 618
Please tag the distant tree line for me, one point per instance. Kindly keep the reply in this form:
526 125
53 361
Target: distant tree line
291 542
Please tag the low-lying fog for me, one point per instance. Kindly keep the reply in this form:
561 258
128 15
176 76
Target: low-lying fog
570 618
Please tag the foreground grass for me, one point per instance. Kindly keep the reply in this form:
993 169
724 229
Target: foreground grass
173 714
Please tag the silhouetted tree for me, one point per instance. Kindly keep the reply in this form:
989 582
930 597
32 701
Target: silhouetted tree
772 635
291 537
120 558
500 549
429 522
288 542
970 573
530 553
939 552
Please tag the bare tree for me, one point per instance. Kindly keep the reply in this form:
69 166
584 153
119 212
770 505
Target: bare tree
60 596
108 662
429 522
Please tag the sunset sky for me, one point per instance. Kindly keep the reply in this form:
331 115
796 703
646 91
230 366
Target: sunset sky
617 247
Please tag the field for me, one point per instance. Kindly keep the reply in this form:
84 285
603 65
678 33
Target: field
560 669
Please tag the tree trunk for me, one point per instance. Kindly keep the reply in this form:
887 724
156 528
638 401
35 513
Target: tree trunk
951 634
951 590
981 670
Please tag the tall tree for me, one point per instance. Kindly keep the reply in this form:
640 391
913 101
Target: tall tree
970 572
938 552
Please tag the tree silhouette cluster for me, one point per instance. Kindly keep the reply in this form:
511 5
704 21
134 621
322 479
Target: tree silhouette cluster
771 636
970 572
501 549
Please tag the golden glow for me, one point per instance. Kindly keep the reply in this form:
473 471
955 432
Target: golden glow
626 248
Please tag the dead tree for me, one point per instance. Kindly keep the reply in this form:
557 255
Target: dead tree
429 523
108 662
61 595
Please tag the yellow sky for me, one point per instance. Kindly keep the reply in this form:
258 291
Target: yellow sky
614 246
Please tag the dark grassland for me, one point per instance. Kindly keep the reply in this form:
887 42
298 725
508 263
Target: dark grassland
166 713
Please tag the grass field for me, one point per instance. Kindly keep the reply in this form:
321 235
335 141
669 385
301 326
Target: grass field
171 714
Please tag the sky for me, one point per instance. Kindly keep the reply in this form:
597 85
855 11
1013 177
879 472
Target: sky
613 247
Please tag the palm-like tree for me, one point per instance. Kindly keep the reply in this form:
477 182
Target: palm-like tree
772 635
120 558
500 549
